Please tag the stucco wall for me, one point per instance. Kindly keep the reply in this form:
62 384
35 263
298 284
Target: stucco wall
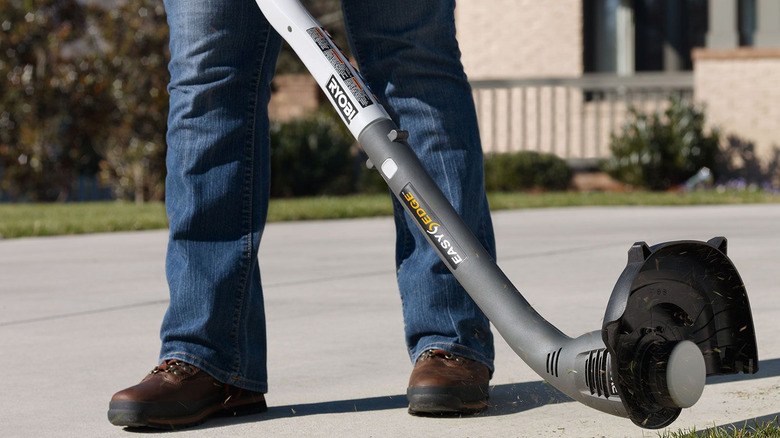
520 38
741 93
294 96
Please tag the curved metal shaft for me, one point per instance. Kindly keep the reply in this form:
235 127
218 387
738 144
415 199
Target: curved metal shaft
559 359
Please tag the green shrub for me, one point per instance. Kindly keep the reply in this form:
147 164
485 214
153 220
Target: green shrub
316 155
312 156
526 170
662 150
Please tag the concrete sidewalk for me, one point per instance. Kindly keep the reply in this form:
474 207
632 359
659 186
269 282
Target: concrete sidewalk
79 320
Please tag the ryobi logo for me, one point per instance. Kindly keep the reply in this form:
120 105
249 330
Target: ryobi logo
347 108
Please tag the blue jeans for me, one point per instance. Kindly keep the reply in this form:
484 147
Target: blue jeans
223 59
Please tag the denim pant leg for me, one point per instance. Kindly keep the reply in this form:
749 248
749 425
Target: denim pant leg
223 56
408 54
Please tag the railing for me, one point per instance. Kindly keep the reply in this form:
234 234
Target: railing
570 117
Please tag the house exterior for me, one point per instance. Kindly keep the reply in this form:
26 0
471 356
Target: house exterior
725 52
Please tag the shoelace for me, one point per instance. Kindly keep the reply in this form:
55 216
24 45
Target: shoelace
441 353
173 366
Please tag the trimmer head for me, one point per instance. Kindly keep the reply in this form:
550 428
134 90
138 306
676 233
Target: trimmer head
669 296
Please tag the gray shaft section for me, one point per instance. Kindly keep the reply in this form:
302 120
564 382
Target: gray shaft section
533 338
513 316
559 359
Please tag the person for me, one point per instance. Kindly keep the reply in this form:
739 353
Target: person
213 353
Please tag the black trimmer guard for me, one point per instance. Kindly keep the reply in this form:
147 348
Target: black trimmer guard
673 292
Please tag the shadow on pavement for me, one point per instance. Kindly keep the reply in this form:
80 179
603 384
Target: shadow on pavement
749 424
505 399
766 368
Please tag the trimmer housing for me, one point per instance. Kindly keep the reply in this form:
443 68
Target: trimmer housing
675 291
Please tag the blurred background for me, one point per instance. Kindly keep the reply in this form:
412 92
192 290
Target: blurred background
651 94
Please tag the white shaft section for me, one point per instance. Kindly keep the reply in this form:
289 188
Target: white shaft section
337 77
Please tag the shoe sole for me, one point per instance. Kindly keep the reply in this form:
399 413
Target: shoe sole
134 414
443 400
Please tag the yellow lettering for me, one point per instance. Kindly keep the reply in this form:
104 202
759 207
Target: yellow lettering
414 204
426 220
408 196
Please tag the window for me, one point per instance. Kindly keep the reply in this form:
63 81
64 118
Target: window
624 36
746 22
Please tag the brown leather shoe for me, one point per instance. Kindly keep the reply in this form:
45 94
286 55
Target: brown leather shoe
442 383
175 394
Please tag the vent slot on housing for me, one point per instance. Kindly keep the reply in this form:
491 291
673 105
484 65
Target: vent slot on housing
552 362
596 373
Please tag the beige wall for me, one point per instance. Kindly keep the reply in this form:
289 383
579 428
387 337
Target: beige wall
520 38
294 96
741 93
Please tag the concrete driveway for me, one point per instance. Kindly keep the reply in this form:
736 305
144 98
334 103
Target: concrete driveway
79 320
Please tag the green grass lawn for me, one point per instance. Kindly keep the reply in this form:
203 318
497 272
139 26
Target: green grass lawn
26 220
768 429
